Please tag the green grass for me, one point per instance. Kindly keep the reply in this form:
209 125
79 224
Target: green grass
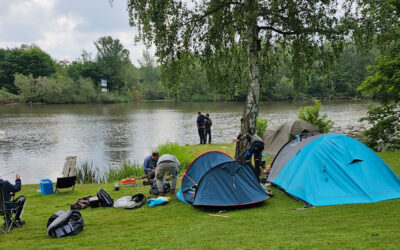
180 226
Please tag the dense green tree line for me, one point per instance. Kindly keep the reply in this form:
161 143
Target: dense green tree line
223 77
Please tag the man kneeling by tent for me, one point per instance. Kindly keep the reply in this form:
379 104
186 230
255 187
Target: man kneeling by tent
167 164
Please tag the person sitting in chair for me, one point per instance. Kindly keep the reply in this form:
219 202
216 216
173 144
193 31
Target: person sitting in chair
19 203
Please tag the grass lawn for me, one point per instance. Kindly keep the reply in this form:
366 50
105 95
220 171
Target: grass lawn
273 224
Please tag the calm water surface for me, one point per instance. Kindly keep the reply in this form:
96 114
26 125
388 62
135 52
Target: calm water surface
39 137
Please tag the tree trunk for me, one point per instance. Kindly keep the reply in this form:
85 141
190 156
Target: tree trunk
250 112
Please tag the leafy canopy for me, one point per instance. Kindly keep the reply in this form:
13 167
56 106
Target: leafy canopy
206 27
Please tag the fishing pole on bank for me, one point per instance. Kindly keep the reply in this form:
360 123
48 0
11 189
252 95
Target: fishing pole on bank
13 172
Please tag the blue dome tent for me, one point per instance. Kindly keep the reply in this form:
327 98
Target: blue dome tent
333 169
214 179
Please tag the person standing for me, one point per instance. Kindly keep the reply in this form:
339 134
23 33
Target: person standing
19 203
167 164
208 124
201 127
149 166
256 146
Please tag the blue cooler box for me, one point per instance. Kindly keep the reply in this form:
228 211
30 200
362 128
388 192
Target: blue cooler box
46 186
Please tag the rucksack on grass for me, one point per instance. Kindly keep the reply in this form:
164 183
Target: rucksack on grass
62 224
104 198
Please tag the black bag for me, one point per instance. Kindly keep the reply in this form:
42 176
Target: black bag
94 202
104 198
154 187
71 224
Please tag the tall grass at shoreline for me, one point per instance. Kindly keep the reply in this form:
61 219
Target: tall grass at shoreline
126 169
184 156
87 173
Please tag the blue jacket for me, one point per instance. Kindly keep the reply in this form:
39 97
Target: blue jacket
8 188
149 164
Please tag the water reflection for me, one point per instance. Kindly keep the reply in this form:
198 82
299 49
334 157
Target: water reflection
39 137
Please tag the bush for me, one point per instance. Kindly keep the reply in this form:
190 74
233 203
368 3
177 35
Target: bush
284 90
261 126
6 97
182 154
111 97
55 90
152 91
385 131
311 115
204 97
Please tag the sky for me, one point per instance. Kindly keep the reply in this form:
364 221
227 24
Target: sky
63 28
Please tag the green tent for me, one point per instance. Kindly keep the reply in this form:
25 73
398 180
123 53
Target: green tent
275 138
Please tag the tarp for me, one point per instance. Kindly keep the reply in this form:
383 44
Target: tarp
276 137
334 169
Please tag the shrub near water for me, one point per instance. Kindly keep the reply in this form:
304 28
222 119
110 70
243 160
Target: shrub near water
311 114
6 97
261 126
181 153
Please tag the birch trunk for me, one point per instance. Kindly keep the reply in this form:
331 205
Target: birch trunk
250 112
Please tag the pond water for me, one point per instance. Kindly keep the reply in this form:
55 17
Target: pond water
40 137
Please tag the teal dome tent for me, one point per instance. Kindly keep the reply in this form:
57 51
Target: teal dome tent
333 169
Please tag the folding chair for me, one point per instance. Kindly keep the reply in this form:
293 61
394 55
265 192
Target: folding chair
65 182
8 212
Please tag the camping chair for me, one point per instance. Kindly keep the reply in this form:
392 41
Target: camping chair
65 182
7 212
69 174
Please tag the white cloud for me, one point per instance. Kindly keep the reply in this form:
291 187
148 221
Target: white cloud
64 28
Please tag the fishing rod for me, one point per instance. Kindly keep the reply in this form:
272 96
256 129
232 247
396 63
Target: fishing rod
12 172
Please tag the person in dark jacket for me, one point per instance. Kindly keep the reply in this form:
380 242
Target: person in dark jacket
208 124
255 147
19 203
149 166
201 127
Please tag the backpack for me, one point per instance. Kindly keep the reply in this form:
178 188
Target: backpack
129 202
62 224
154 187
104 198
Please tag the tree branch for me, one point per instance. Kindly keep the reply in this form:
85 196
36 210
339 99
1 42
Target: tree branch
207 13
286 33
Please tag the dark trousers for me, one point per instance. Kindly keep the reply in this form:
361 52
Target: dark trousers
150 176
208 132
256 149
202 135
